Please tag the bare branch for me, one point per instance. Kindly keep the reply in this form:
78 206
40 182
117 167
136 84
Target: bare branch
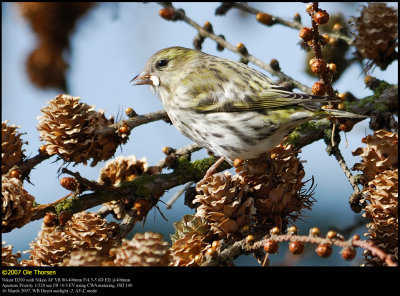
294 25
235 49
134 121
242 247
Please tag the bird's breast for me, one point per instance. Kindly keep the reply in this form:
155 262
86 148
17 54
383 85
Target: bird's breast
242 135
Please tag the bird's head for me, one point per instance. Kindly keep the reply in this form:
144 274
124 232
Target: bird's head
164 67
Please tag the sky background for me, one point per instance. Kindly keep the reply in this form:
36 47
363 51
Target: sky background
112 43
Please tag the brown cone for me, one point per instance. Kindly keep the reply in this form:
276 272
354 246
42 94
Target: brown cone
380 154
223 203
84 231
11 146
275 183
377 33
192 238
7 256
17 204
69 129
125 169
381 197
147 249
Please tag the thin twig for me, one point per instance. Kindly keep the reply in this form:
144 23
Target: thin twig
231 47
241 247
294 25
175 197
339 157
104 211
127 224
277 20
134 122
28 164
49 205
375 251
185 151
225 255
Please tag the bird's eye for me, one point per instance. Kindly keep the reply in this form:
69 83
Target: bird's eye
161 63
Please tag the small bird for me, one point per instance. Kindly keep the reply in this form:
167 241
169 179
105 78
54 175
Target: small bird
227 107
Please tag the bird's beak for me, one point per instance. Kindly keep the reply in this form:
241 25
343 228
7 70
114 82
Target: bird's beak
142 79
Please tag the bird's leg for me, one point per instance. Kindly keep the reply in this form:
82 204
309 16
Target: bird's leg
210 171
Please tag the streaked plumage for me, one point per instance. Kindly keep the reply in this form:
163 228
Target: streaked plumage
226 106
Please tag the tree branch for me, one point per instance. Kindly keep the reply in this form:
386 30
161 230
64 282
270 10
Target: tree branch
294 25
231 47
276 20
134 121
242 247
150 187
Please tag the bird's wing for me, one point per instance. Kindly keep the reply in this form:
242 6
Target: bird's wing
273 97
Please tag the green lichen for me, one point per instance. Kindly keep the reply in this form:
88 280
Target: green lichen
138 185
184 171
294 138
184 166
381 87
381 107
69 204
196 169
372 102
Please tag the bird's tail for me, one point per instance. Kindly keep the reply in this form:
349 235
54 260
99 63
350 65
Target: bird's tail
339 114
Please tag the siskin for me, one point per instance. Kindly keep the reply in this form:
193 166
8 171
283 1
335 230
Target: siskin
227 107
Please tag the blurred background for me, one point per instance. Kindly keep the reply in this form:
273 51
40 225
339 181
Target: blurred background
110 45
